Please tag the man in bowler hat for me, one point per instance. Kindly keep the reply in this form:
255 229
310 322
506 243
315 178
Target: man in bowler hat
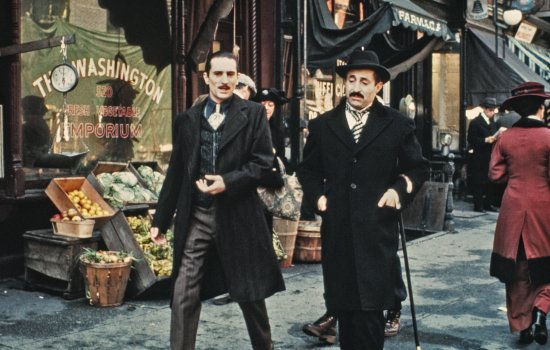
481 137
362 164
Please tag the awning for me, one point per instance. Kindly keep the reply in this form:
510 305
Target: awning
412 16
537 58
327 42
490 75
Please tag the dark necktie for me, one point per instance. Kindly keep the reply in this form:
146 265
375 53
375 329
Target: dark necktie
359 125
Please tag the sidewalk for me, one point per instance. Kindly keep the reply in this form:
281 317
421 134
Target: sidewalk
457 305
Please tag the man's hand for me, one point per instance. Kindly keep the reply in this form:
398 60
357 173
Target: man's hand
217 186
156 237
322 203
490 139
390 199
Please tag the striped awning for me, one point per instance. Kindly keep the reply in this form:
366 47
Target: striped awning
537 58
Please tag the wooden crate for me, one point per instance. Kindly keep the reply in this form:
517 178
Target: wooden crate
111 167
118 235
51 261
59 187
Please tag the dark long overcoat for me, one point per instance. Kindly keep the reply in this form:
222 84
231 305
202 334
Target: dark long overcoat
478 163
521 158
242 261
360 240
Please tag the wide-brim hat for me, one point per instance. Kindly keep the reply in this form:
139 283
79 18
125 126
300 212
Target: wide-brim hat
271 94
360 59
489 102
529 88
33 105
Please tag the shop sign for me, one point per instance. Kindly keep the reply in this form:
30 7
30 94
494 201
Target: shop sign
526 32
420 22
477 9
119 102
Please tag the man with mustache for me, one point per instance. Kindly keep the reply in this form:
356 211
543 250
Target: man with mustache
222 149
362 164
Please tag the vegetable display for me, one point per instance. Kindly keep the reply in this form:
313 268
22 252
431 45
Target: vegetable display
105 257
159 256
153 179
122 187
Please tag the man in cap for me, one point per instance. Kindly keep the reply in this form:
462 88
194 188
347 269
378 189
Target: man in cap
246 88
362 164
481 137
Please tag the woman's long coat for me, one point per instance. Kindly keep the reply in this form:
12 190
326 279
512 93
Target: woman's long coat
242 260
521 157
360 240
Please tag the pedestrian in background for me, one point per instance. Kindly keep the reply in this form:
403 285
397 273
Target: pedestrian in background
521 249
362 164
273 99
222 148
481 136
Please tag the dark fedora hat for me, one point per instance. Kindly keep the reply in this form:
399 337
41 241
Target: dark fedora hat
360 59
489 102
529 88
271 94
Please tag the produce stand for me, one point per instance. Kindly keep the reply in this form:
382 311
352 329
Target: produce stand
51 261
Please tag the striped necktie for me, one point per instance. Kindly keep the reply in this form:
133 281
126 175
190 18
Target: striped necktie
359 125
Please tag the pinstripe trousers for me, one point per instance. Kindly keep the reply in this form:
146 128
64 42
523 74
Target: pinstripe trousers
186 303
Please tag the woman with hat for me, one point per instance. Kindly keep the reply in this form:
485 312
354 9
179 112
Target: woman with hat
273 99
521 248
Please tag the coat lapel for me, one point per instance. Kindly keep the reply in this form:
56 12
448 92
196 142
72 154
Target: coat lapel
191 136
377 121
235 120
339 125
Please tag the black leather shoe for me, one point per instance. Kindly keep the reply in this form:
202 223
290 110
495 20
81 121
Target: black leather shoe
526 336
223 300
325 325
540 332
479 210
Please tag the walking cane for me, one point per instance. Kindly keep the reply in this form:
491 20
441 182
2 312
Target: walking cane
409 283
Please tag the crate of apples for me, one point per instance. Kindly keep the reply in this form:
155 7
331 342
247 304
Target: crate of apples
70 223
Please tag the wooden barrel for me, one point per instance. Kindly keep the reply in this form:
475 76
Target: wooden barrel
287 231
106 283
308 242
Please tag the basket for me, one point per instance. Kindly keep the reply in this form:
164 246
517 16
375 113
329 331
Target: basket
105 284
79 229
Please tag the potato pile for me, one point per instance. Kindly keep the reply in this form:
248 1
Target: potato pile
159 256
85 206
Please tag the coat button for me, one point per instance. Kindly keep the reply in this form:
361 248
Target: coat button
354 160
353 186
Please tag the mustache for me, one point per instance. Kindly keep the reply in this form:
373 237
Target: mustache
356 94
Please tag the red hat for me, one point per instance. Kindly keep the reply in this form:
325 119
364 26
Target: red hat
529 88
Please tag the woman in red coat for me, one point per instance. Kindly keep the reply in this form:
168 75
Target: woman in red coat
521 250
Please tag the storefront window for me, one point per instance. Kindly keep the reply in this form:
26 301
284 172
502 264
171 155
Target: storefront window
445 100
120 109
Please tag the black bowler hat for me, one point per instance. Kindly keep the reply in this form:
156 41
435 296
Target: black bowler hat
489 102
360 59
529 88
271 94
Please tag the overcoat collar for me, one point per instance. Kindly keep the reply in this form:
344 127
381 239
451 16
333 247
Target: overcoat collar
529 123
377 121
235 120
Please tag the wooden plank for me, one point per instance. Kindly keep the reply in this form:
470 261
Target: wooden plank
35 45
118 235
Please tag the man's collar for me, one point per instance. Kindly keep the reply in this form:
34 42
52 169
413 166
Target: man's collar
210 106
486 118
361 111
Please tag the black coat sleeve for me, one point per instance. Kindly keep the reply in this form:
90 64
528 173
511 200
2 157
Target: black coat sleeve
310 171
